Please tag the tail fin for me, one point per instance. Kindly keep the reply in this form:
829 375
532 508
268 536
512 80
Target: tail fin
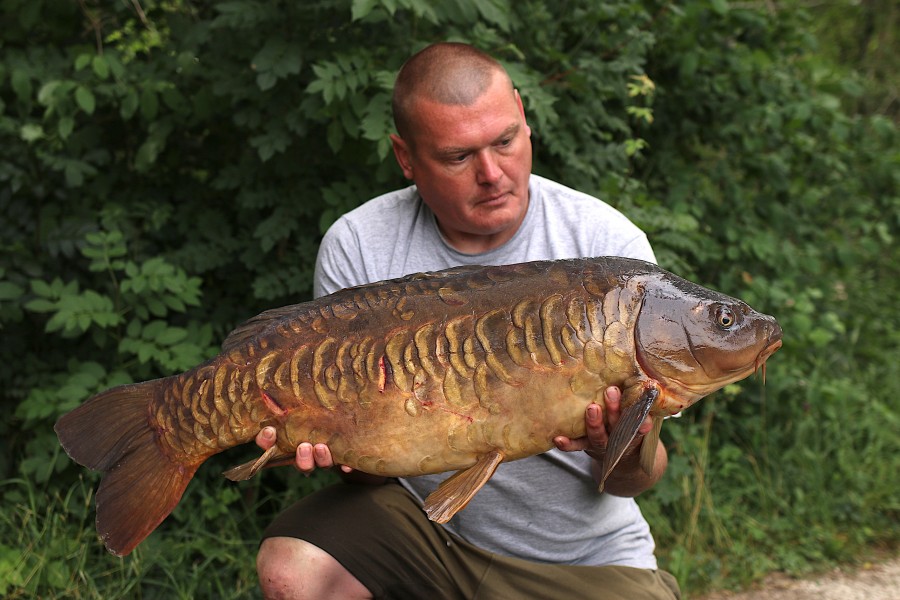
141 485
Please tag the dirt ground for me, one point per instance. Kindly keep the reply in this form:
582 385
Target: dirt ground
872 581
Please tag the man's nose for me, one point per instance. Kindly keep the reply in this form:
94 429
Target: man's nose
488 169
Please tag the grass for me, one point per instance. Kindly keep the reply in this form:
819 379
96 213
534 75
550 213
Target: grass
797 483
50 549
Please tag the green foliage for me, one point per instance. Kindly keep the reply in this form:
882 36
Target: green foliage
167 170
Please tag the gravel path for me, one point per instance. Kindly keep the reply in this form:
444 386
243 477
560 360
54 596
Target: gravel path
878 581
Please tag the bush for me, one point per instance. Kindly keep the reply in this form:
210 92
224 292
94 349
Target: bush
168 167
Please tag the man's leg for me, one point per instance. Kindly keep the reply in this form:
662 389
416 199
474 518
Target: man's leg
364 541
295 569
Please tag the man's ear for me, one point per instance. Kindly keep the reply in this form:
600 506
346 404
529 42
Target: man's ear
522 113
402 154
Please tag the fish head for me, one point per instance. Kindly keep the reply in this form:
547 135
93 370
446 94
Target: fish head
695 341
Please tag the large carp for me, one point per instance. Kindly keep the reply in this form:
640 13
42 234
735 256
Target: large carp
455 370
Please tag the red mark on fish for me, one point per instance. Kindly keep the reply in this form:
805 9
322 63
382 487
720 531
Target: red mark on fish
273 405
382 374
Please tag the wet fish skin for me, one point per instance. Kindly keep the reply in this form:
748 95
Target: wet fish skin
456 370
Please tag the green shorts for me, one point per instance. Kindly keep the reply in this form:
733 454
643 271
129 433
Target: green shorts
381 535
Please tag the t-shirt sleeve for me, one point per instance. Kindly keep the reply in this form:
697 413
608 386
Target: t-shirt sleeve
639 248
339 261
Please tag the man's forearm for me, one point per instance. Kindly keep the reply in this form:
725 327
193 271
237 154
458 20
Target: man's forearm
628 479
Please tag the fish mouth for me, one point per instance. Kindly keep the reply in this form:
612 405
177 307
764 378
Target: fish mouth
767 352
774 344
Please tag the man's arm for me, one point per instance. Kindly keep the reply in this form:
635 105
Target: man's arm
628 479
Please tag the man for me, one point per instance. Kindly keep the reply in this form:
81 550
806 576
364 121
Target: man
539 528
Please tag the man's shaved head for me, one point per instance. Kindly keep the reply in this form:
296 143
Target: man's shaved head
447 73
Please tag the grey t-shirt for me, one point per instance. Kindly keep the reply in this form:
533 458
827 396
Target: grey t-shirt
543 508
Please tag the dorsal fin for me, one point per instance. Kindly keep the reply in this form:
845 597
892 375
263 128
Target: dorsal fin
254 326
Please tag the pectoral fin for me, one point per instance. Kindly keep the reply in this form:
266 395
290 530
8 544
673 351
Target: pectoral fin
455 492
648 446
625 430
273 457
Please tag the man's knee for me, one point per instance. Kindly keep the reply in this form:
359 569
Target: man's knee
295 569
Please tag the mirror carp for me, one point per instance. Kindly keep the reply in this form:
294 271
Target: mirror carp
456 370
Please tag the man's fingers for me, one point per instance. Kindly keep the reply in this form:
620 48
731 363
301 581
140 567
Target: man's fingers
310 457
595 429
305 461
612 394
322 454
612 397
265 438
569 445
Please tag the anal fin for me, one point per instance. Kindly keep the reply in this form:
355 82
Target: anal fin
625 430
272 457
457 490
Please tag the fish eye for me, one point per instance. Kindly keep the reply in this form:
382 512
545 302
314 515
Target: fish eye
725 317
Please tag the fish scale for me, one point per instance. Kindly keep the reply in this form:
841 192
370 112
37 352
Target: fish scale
458 370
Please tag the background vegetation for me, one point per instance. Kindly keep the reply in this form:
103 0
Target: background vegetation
167 168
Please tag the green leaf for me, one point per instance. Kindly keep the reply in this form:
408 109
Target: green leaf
57 322
31 132
361 9
129 104
40 305
65 127
273 142
100 66
335 136
75 170
156 307
10 291
82 60
149 104
720 6
42 288
171 336
266 80
46 94
85 99
21 84
146 155
495 11
153 330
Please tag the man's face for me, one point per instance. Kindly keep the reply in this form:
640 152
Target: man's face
471 165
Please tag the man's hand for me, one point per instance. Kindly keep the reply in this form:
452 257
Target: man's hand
627 479
308 457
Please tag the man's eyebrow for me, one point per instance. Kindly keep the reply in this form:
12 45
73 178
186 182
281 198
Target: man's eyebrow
455 150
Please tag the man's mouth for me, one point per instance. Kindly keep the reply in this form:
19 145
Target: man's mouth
495 198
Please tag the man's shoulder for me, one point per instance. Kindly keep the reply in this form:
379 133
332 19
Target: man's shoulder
564 202
404 200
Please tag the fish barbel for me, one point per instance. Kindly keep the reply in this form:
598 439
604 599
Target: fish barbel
457 370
